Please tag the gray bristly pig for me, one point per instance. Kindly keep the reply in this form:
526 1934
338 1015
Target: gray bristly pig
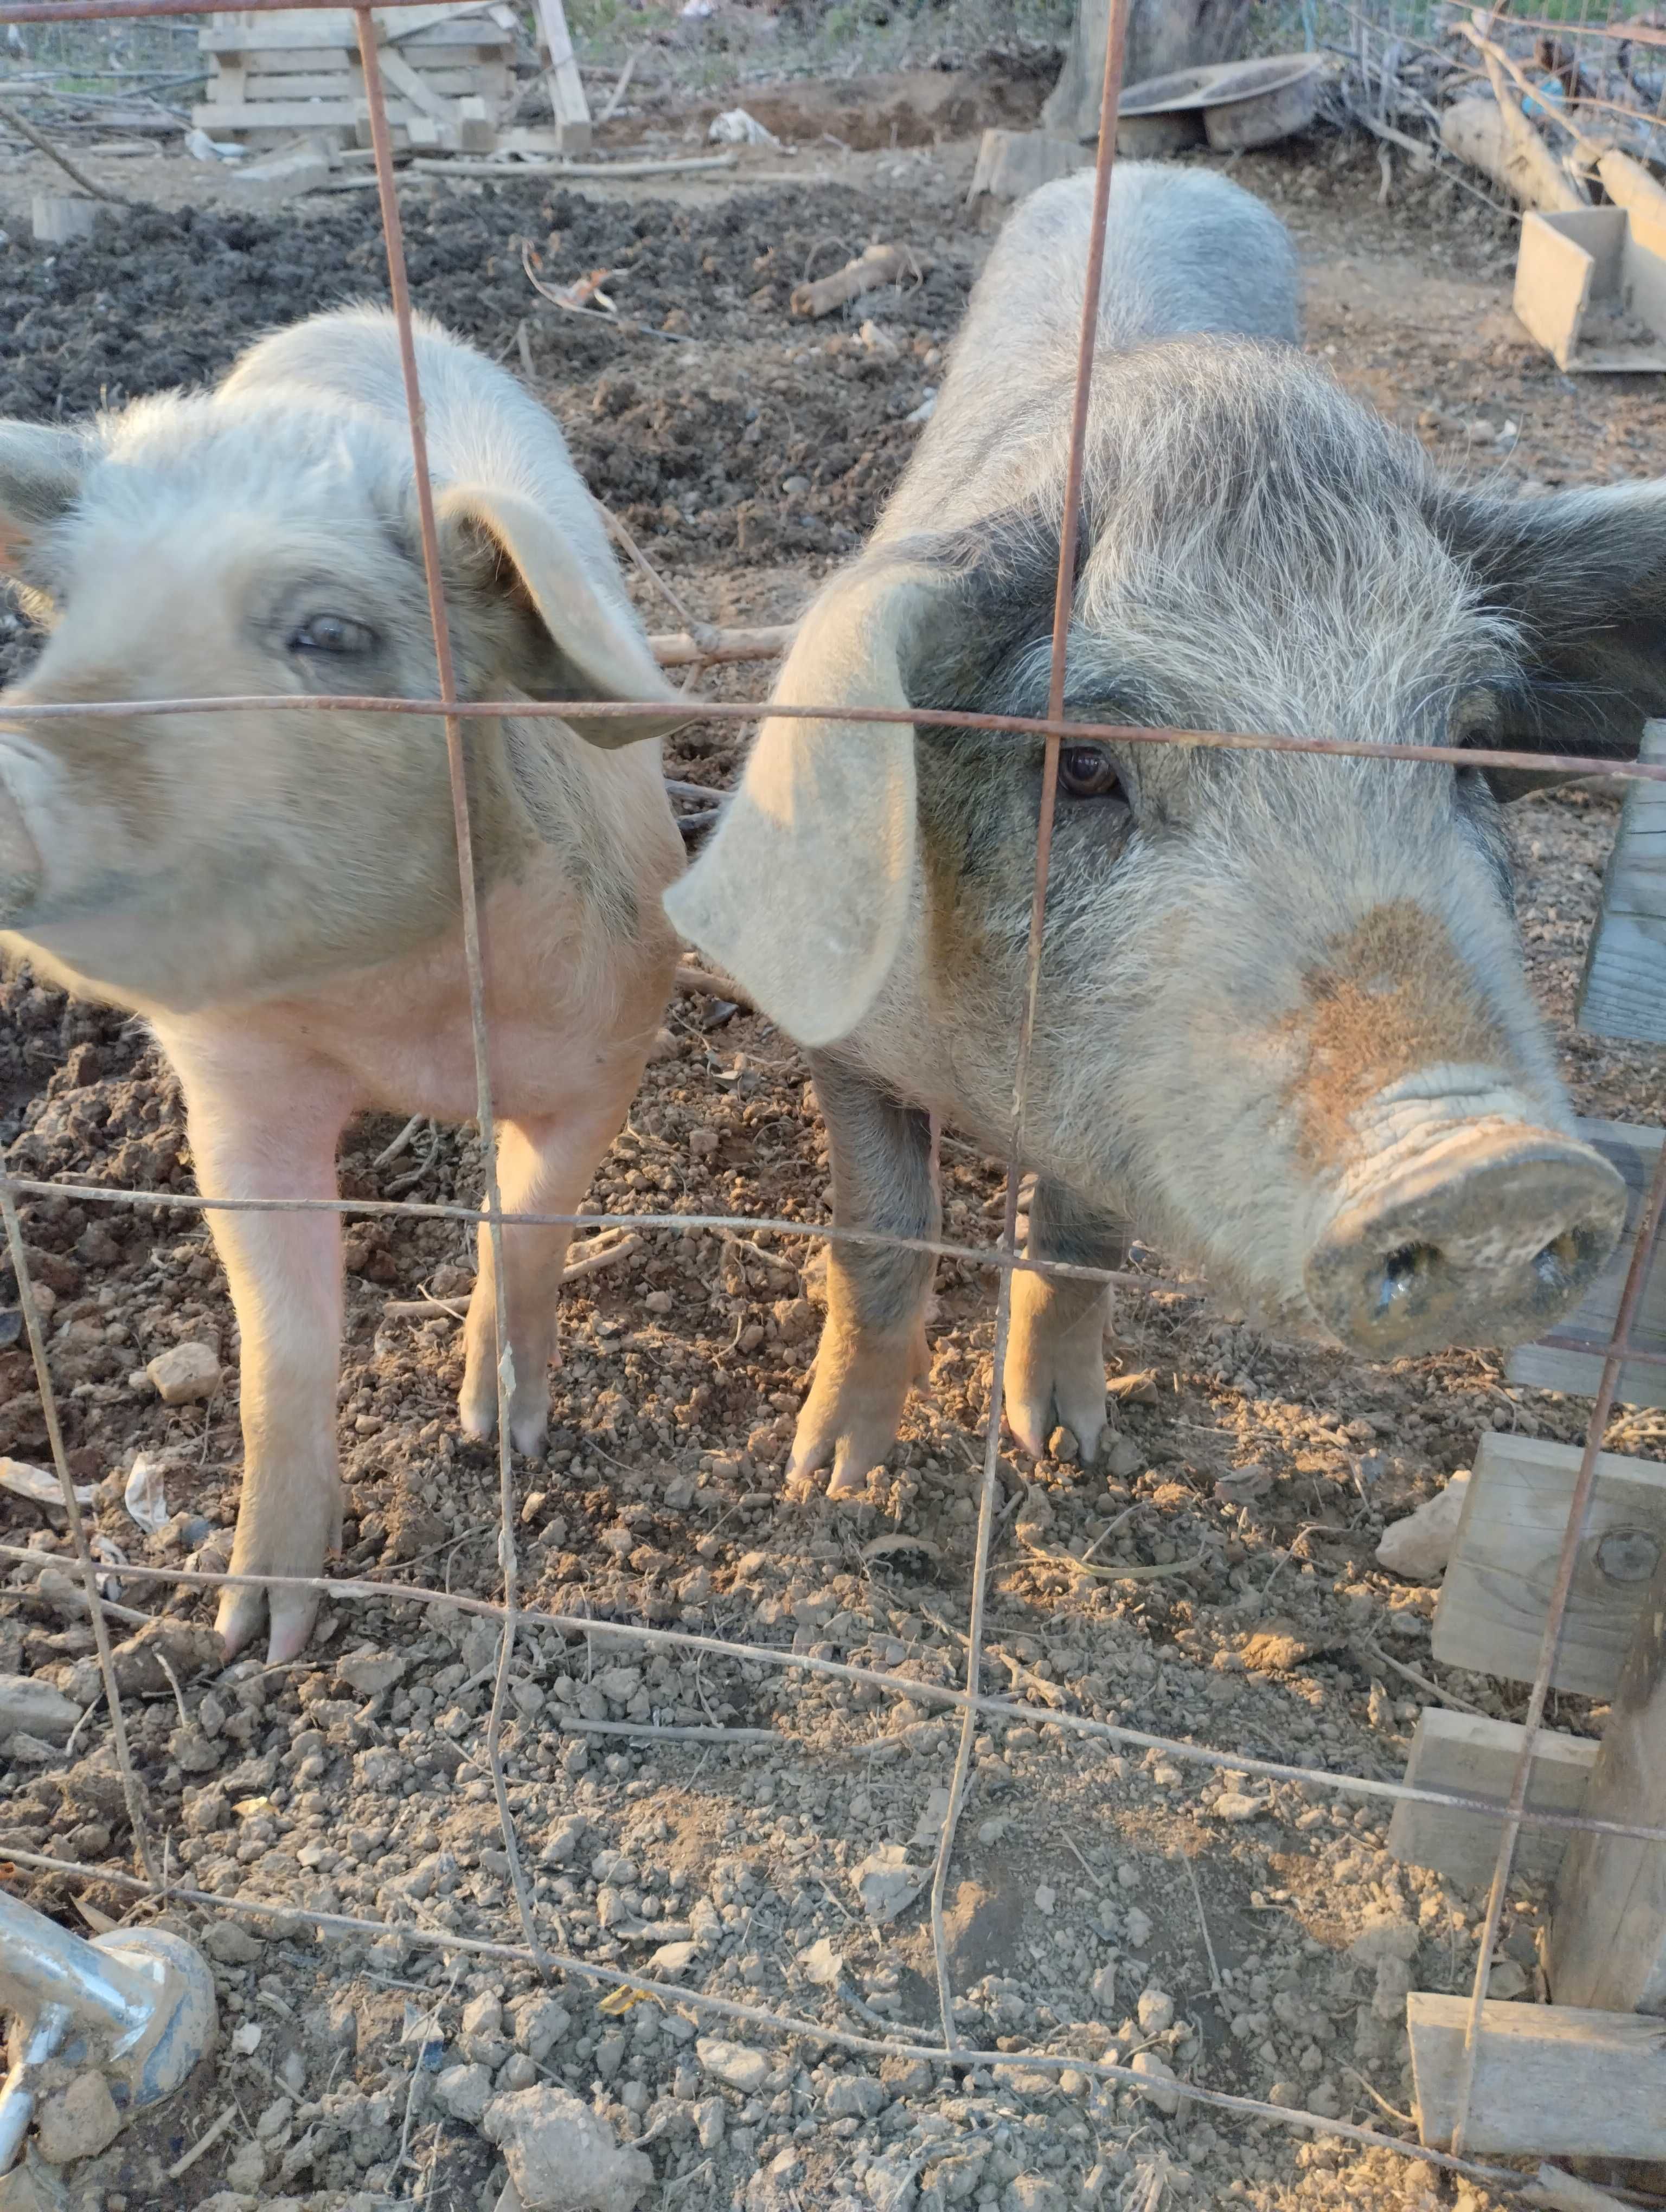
277 892
1283 1025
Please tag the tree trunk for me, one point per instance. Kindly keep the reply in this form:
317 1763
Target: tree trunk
1162 35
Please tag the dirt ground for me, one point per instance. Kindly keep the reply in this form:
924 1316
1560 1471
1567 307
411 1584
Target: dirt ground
1253 1939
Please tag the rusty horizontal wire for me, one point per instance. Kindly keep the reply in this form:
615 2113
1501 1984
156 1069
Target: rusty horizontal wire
987 1256
736 710
368 1591
671 1995
98 11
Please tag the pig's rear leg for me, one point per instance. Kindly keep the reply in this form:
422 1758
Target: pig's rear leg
874 1343
543 1167
267 1129
1054 1372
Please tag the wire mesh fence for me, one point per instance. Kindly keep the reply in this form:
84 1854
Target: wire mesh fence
975 1703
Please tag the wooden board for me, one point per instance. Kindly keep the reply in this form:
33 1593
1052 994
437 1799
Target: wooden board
1550 2081
1634 1151
1624 991
567 97
1608 1944
1476 1757
1491 1617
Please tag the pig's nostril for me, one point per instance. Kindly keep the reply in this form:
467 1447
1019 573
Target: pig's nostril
1560 1263
1404 1267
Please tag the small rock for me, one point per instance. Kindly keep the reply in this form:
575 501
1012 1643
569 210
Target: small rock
821 1964
31 2188
562 2156
562 1848
78 2122
1158 2071
464 2092
1394 1986
1032 2192
886 1884
538 2024
368 1672
35 1708
231 1943
1103 1991
245 2169
1419 1546
1233 1805
1124 1460
1384 1938
733 2063
1137 1923
1156 2011
1278 1646
855 2097
187 1372
1505 1980
672 1960
1287 2094
710 2118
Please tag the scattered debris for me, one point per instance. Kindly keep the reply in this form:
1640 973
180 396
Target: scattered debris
735 127
876 266
561 2157
1419 1546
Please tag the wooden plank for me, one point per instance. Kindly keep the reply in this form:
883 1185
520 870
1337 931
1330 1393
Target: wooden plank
415 88
1491 1617
251 91
1607 1940
301 30
566 96
287 114
1476 1757
1624 991
1550 2080
1633 1151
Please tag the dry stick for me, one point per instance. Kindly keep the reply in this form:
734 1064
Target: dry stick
594 1254
702 633
1430 1689
611 108
205 2142
674 1998
133 1795
426 166
392 231
1114 1733
573 1724
673 650
692 982
1637 1275
1116 39
14 121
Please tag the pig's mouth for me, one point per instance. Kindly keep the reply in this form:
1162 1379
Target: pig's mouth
1486 1234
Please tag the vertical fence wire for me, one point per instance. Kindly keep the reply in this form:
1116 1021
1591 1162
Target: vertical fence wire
457 765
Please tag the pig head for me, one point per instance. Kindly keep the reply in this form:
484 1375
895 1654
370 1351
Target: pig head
278 891
1283 1026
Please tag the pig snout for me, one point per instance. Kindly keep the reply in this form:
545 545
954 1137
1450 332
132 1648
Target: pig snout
19 860
1486 1236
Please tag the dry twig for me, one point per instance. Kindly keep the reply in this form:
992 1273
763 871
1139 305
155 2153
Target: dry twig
14 121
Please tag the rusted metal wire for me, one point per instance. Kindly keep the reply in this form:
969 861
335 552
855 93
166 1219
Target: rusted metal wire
1637 1276
1010 1710
1063 597
456 767
736 710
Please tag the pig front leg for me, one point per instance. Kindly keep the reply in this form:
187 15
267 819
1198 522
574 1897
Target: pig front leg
1055 1370
261 1126
874 1343
543 1166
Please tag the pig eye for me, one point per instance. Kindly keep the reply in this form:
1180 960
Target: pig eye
1087 772
333 634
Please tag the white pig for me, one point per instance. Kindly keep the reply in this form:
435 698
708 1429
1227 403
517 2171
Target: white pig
278 892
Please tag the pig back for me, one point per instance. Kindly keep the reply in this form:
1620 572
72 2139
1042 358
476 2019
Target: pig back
1187 253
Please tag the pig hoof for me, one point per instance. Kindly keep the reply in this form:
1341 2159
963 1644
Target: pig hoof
243 1611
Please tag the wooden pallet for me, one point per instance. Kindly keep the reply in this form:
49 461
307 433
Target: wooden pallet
1586 2074
448 79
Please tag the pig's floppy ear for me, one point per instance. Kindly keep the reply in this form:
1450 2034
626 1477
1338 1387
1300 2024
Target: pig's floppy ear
41 471
803 892
1582 576
584 644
